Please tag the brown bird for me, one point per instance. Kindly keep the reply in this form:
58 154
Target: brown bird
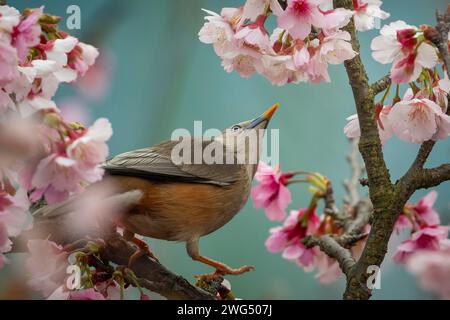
180 199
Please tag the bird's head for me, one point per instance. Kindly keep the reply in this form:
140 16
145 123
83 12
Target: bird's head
258 123
245 138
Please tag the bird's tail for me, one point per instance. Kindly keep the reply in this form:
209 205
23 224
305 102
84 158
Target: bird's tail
116 202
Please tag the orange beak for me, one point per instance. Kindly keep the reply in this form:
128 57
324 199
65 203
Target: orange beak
269 112
265 117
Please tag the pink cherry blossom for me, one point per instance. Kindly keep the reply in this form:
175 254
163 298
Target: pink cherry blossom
59 49
271 193
278 70
404 251
288 238
8 63
419 215
408 69
299 16
9 18
336 48
82 57
428 238
426 211
336 19
218 32
254 8
386 47
418 120
431 269
442 92
26 34
366 13
55 178
255 34
91 149
352 129
243 61
46 266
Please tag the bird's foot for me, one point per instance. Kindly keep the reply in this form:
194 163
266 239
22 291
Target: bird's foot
226 270
87 245
223 270
144 250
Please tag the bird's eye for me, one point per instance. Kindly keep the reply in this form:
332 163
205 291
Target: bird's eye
235 128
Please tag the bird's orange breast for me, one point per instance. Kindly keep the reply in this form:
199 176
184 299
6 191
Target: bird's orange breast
181 211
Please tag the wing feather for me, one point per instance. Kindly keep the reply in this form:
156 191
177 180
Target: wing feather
155 163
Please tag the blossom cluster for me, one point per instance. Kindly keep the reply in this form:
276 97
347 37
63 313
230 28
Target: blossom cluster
45 157
273 195
421 114
308 37
427 252
428 238
426 231
408 48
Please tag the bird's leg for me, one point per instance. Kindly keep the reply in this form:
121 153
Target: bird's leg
192 247
144 250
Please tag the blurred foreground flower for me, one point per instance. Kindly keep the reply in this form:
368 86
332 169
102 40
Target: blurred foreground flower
426 232
432 269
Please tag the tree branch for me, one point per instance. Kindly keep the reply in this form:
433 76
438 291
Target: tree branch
388 200
441 38
427 178
381 190
332 248
151 274
381 84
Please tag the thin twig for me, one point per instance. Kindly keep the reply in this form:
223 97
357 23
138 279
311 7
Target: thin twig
357 169
332 248
381 84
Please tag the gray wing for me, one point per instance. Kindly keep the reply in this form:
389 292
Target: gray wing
155 163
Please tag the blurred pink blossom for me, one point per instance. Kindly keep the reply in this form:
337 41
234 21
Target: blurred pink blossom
26 34
8 63
82 57
432 269
46 266
428 238
419 215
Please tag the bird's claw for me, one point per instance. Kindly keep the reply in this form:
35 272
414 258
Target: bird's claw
237 271
223 271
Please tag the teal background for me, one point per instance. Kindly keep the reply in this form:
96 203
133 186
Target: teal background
164 79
